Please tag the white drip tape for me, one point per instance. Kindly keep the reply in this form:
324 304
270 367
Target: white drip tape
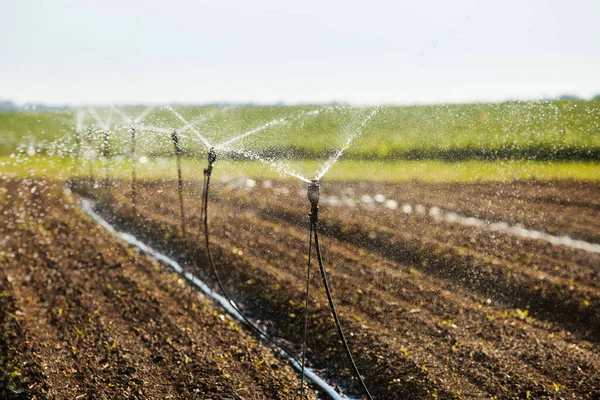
88 207
567 241
448 216
439 215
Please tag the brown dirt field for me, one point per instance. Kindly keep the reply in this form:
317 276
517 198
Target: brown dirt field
84 315
557 207
431 309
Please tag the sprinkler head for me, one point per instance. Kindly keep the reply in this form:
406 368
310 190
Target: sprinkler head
314 192
212 156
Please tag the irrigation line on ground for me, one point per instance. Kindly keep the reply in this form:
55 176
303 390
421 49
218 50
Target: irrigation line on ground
306 297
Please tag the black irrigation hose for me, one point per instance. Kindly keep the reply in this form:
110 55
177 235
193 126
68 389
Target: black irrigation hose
306 310
252 325
313 195
335 315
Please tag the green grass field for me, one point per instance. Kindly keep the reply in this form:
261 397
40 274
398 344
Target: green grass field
504 141
551 130
348 170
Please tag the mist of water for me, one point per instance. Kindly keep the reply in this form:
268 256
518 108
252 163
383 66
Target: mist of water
272 123
277 165
79 121
188 125
123 115
143 115
235 144
333 159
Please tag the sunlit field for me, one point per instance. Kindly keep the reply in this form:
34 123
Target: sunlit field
548 130
453 250
344 170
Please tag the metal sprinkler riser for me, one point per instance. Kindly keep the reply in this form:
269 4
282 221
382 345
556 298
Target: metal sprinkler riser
212 157
314 193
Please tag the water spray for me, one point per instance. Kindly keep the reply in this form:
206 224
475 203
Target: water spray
314 193
335 157
188 125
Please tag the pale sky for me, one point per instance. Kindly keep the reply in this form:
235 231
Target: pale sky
117 52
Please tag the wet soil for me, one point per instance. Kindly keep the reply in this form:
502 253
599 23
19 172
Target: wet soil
430 309
84 315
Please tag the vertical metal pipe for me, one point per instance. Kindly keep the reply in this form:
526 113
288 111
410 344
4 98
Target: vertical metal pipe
90 141
77 163
178 154
106 154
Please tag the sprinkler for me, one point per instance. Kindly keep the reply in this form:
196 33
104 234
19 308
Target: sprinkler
212 157
314 193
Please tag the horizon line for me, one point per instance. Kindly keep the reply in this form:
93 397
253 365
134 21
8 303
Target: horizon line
282 103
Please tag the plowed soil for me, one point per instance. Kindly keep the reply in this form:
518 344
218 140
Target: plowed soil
431 309
83 315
